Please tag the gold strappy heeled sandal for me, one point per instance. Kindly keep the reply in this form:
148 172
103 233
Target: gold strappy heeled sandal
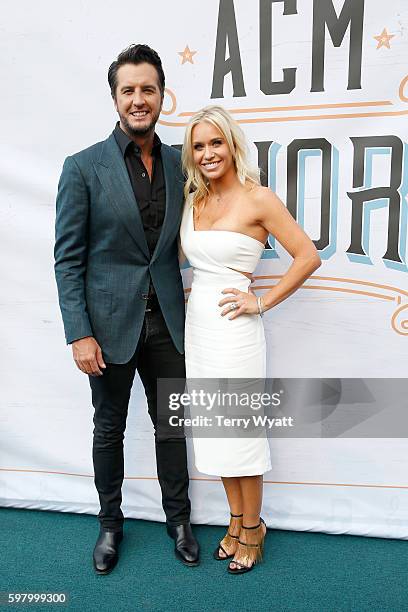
253 552
227 540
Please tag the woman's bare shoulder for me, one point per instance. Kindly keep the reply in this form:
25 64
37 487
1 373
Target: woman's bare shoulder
260 193
263 197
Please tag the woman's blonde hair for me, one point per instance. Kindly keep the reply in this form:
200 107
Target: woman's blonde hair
222 120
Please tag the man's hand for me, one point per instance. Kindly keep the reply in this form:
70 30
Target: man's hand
88 356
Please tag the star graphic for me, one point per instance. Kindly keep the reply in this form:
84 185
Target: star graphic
187 55
384 39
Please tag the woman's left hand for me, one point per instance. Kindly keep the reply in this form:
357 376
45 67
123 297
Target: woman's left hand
246 303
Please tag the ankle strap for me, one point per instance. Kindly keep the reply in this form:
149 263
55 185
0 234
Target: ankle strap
236 515
254 526
261 521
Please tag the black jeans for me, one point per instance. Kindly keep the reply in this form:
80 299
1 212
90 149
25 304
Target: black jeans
155 357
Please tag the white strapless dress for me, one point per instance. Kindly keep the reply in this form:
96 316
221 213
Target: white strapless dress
216 347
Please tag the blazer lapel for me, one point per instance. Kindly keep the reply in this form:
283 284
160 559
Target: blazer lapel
112 173
172 209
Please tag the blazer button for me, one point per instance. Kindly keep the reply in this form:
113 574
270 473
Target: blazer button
145 296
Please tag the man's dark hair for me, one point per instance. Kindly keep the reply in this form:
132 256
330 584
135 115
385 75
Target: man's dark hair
135 54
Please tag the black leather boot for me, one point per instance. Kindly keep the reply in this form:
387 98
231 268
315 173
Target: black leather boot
106 551
186 546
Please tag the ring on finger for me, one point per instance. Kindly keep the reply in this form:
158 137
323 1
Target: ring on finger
233 306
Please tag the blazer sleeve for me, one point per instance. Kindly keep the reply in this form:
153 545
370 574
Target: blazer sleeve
70 251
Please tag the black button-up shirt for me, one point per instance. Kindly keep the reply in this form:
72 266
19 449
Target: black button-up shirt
150 194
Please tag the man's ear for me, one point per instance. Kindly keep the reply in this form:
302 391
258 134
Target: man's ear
115 103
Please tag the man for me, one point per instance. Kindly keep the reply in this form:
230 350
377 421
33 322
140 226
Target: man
119 206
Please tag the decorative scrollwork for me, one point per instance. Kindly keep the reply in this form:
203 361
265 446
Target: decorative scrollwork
399 320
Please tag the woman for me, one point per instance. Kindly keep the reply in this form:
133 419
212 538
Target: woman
226 221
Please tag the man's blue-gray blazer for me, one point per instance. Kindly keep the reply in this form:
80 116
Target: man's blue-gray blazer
102 261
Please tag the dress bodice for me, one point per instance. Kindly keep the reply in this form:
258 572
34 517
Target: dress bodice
217 251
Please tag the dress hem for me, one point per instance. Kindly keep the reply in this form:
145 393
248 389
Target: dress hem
254 472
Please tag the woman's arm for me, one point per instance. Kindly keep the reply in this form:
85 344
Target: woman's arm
277 220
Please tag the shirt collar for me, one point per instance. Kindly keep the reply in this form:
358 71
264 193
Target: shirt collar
124 142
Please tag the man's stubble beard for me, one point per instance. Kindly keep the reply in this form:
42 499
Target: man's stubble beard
136 132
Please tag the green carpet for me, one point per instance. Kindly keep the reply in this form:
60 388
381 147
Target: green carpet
52 552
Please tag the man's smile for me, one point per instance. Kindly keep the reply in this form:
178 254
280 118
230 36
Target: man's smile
139 114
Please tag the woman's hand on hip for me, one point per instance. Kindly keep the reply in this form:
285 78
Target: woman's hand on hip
242 303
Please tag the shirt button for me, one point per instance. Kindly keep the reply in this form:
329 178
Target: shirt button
143 174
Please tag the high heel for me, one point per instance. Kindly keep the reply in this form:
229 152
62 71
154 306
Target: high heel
227 540
256 549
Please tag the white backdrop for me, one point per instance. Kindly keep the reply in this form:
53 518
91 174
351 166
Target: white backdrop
348 321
